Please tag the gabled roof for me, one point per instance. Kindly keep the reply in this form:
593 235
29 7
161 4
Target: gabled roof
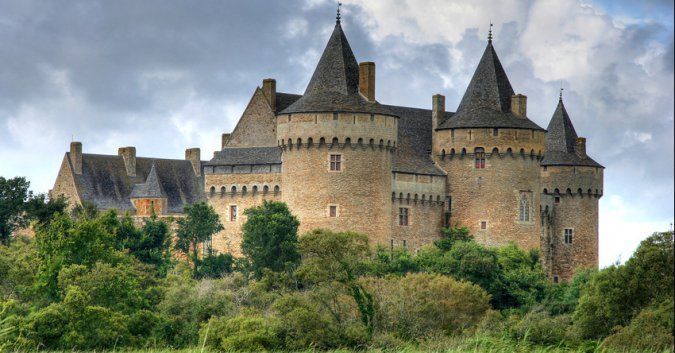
334 86
150 189
104 181
561 142
487 100
246 155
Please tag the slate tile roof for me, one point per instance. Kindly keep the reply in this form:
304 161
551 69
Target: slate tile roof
150 189
334 86
561 142
246 155
105 183
487 100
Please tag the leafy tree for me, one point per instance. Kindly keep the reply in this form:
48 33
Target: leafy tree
200 223
18 270
85 210
13 196
270 237
523 276
450 236
333 260
397 261
215 265
42 209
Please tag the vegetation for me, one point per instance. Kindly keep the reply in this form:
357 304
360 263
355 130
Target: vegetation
102 281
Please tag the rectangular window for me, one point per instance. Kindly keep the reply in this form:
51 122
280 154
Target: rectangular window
332 211
555 279
556 199
569 234
335 162
479 155
495 132
403 214
405 245
483 225
233 213
335 116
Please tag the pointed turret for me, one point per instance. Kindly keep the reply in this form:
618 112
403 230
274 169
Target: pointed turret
334 86
487 100
563 145
150 189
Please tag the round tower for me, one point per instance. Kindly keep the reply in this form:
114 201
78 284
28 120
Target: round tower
572 184
491 152
337 144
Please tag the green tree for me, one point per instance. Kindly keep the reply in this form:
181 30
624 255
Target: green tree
13 196
215 265
200 223
42 209
450 236
332 261
270 238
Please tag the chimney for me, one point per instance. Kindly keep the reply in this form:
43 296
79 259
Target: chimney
270 91
224 139
194 156
129 155
437 110
519 105
76 156
581 146
367 80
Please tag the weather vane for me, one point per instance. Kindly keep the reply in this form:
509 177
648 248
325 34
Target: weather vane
561 90
338 12
490 33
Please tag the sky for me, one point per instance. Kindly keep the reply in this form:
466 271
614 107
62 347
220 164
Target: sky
168 75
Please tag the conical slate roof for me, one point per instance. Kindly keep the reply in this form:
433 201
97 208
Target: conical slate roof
561 142
334 86
150 189
487 100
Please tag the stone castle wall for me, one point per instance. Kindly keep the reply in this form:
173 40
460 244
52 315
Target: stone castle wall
65 184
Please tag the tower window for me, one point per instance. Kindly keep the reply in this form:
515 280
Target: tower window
495 132
479 156
555 279
233 213
569 234
524 208
335 116
335 162
403 214
556 199
332 211
483 225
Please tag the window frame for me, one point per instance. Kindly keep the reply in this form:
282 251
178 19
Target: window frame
524 208
234 213
483 225
479 158
336 210
335 162
568 237
404 216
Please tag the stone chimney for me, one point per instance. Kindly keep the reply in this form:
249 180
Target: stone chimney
76 156
367 80
129 156
581 146
224 139
437 114
519 105
269 89
194 156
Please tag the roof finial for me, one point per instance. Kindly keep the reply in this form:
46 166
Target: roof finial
561 90
490 33
337 18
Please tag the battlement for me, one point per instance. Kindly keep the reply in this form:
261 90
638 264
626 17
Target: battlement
418 189
493 141
572 181
337 129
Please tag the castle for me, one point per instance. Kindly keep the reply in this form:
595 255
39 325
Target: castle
343 161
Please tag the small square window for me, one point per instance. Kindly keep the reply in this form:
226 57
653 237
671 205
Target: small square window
332 211
556 199
233 213
403 214
555 279
483 225
335 162
569 235
495 132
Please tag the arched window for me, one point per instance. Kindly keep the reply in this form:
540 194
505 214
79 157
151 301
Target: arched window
255 189
234 189
266 189
222 190
276 189
212 191
244 189
524 209
479 158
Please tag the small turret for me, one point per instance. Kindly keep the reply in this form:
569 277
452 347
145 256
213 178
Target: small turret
149 197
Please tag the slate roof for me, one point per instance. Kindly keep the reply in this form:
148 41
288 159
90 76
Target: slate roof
150 189
104 181
561 142
246 155
334 86
487 100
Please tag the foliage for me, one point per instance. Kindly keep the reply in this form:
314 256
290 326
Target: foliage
305 324
651 329
397 261
450 236
418 305
42 209
215 266
200 223
617 293
17 270
270 238
564 297
13 195
241 334
539 327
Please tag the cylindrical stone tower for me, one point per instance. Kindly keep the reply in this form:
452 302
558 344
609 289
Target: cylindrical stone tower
337 149
491 152
572 184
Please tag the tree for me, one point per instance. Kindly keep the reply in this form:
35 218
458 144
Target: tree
200 223
13 196
42 209
333 260
449 236
270 239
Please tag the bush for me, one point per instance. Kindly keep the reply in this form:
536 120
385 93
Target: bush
650 330
241 334
539 327
305 325
418 305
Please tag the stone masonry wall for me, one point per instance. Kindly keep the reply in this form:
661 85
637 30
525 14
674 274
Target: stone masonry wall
229 240
65 184
257 125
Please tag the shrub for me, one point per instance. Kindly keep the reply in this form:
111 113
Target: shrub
418 305
305 325
650 330
539 327
242 334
